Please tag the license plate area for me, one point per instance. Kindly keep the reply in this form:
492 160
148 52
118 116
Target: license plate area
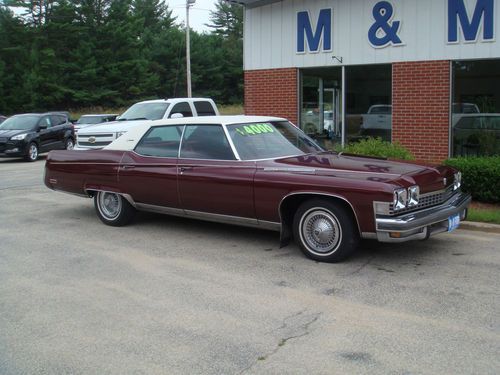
453 222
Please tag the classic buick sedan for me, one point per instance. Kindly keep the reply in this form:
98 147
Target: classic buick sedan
266 173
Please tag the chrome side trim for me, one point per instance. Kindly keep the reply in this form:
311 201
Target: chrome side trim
207 216
321 194
231 143
291 170
160 209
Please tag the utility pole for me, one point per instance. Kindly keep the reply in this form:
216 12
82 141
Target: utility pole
189 3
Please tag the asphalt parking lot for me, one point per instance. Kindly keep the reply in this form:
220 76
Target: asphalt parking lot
174 296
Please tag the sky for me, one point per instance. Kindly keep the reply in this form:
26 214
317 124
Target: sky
199 14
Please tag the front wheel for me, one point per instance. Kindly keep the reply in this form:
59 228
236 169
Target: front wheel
113 209
325 230
32 154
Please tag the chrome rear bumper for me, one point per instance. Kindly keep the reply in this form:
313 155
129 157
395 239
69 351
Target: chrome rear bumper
420 225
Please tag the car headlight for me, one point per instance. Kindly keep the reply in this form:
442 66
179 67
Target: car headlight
119 134
400 199
19 137
458 181
413 196
404 198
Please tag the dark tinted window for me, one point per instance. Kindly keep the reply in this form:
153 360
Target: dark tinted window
161 141
204 108
182 108
57 120
206 142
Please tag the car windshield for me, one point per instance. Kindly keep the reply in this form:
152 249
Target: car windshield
145 111
268 140
20 123
90 120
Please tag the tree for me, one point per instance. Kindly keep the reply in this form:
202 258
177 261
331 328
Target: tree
227 20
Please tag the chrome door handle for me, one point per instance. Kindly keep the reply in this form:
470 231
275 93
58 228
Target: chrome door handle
128 166
184 169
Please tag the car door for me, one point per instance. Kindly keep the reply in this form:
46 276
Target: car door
211 180
46 134
149 173
59 123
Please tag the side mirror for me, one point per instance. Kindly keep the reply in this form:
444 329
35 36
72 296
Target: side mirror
176 115
42 126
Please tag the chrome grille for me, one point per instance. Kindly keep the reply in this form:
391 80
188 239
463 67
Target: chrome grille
100 140
426 201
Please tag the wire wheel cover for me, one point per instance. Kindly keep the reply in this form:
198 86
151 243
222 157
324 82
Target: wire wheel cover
320 231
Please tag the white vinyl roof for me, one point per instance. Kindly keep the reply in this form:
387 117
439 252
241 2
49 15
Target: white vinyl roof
129 140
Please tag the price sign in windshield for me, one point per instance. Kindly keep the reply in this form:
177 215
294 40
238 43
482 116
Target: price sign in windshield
254 129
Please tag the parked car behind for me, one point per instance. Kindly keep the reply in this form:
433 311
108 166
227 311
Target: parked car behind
2 118
262 172
88 120
94 137
28 135
377 122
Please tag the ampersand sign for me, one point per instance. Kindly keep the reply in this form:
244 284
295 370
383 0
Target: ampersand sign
382 13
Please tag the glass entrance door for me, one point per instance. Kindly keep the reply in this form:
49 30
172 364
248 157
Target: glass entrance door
321 105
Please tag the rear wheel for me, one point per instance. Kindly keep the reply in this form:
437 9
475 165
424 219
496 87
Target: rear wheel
32 154
113 209
325 230
69 145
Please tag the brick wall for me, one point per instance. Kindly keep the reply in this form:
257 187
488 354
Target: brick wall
272 92
420 120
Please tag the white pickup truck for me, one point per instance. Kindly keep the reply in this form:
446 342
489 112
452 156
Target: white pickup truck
377 122
101 135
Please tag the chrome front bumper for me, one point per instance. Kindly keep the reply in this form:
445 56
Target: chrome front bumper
421 224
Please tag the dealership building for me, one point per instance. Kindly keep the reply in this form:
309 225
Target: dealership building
424 73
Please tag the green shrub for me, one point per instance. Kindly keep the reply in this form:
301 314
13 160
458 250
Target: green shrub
379 148
480 176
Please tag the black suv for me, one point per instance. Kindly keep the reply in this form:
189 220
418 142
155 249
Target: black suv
29 134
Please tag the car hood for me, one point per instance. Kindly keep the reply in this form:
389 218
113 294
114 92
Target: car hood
112 127
405 174
11 133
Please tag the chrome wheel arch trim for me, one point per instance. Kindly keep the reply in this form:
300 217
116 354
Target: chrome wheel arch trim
319 194
128 197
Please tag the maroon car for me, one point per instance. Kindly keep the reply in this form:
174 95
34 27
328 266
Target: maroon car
262 172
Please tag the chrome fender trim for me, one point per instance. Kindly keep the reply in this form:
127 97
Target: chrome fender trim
320 194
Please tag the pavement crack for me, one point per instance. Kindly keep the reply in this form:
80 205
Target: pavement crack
293 327
358 270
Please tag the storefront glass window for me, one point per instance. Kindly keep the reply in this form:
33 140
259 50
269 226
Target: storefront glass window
475 124
368 102
321 105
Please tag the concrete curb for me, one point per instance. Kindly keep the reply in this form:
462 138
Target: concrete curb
480 227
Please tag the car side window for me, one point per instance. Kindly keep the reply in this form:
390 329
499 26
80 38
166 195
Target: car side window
161 141
46 121
57 120
206 142
183 108
204 108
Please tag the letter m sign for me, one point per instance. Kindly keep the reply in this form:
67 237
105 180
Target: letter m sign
322 32
457 14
